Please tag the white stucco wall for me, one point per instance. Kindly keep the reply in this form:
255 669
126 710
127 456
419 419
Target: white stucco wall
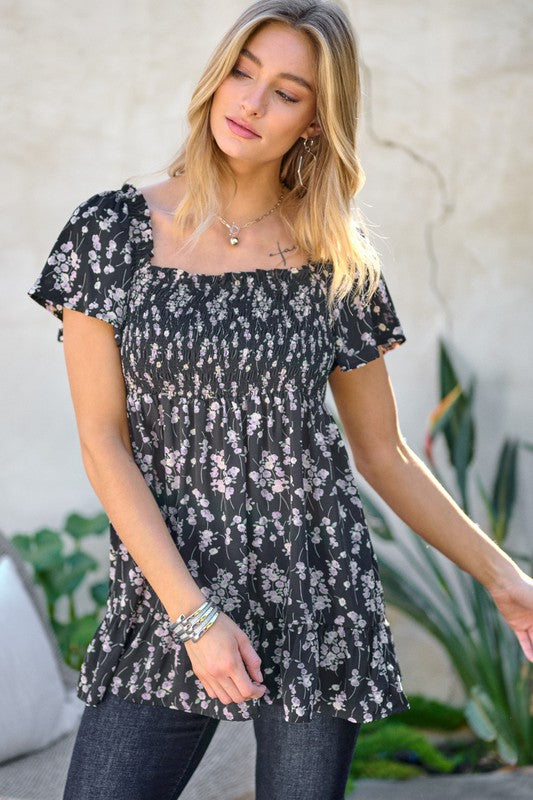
96 93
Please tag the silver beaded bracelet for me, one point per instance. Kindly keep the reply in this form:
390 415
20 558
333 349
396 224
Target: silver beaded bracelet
196 624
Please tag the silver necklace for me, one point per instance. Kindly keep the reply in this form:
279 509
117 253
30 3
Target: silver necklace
235 229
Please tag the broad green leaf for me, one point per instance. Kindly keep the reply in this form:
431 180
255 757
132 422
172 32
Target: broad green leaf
66 578
42 550
79 526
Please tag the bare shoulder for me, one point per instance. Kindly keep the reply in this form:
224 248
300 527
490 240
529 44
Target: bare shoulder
166 194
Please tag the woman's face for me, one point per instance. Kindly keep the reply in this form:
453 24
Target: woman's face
272 90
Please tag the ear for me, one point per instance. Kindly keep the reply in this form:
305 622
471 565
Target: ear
313 129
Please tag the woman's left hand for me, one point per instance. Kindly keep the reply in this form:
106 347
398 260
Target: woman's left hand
515 603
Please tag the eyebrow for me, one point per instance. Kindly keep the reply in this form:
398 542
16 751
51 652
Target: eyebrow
288 75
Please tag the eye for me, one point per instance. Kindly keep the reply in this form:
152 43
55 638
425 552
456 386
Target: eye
286 98
238 73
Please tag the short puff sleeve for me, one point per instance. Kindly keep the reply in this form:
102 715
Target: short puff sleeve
362 329
89 268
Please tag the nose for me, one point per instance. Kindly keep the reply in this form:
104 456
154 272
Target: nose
253 101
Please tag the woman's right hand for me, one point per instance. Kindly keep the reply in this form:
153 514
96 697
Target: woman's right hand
220 660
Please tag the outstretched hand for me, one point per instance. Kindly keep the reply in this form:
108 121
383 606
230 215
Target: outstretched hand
515 603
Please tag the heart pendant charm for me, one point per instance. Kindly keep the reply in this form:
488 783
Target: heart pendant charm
233 231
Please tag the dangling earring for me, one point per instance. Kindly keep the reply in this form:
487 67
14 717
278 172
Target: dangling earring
308 143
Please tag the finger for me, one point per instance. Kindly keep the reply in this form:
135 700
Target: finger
243 683
209 689
232 689
221 693
251 658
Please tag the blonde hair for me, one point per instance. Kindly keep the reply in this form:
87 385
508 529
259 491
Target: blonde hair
327 224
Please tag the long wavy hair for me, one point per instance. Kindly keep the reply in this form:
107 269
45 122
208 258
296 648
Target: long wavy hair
328 225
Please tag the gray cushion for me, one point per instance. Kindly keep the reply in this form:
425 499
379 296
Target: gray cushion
36 709
70 676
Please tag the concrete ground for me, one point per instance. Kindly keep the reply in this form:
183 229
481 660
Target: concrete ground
503 784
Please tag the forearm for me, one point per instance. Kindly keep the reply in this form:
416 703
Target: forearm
136 517
410 489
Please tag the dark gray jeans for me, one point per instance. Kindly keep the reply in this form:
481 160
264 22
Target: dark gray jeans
133 751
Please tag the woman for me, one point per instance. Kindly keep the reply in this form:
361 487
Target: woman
215 305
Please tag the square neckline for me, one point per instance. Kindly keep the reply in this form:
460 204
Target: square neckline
183 271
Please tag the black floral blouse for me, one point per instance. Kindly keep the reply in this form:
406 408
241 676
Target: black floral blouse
226 378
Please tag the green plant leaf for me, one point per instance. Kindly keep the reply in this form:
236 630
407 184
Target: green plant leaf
66 578
395 737
478 717
82 629
463 444
79 632
442 414
428 554
506 749
74 637
43 550
79 526
448 382
99 592
448 376
504 488
487 503
430 713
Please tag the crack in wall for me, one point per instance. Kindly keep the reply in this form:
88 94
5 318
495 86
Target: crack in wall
447 205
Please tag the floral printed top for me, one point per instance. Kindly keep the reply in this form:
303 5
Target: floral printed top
225 378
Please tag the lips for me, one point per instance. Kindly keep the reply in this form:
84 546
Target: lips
237 126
